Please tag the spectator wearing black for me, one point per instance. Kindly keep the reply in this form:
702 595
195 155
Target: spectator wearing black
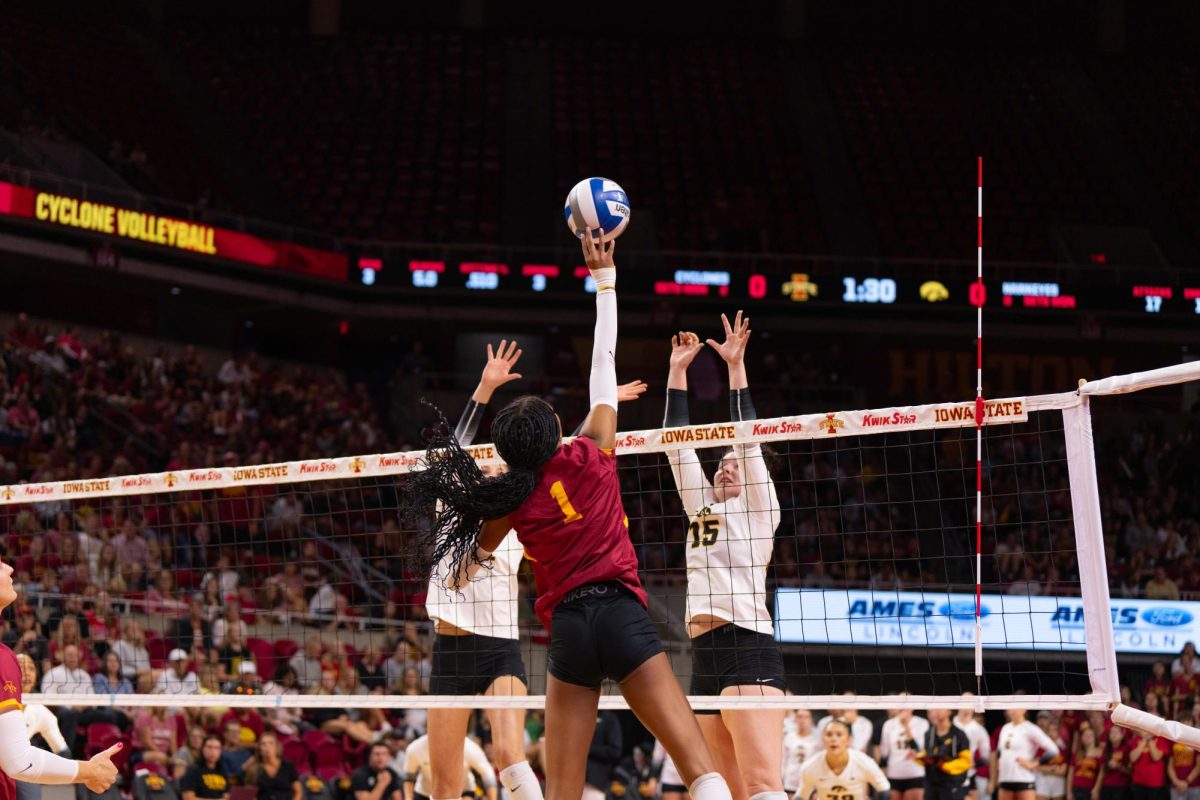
193 633
603 756
371 673
376 780
207 779
275 776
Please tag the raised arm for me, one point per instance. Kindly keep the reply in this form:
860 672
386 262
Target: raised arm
497 371
694 488
601 424
761 498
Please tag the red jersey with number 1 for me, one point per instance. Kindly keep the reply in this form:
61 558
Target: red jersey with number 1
10 700
573 527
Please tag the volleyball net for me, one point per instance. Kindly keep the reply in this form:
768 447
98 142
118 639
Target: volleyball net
880 594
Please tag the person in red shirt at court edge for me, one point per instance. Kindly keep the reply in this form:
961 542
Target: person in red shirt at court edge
19 760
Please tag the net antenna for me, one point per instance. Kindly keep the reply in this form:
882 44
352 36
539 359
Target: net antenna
979 412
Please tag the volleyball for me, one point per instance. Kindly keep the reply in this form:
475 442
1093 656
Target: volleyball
597 203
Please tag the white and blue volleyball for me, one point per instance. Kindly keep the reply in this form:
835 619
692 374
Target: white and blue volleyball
597 203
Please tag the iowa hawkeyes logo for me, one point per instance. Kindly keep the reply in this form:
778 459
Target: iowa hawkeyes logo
934 292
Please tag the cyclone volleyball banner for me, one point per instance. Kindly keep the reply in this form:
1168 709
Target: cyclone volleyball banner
180 235
805 426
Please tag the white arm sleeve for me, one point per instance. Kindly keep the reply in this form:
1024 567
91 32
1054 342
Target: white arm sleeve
23 762
477 760
603 382
690 480
762 500
1043 741
40 720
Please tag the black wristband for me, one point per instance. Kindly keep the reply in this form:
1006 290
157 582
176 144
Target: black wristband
677 409
741 407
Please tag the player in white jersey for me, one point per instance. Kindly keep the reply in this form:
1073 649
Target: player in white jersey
476 646
981 747
39 720
1015 760
840 772
670 784
901 738
801 741
731 537
418 774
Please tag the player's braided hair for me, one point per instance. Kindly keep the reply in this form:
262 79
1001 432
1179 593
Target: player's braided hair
453 492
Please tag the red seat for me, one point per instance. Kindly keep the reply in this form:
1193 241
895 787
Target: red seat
296 751
264 656
327 755
285 649
101 736
158 648
243 793
354 754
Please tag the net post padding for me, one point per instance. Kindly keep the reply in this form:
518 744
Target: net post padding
613 702
1137 381
1089 547
1145 722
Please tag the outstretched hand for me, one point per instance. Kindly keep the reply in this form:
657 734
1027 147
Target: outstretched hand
498 370
597 253
684 347
631 391
733 349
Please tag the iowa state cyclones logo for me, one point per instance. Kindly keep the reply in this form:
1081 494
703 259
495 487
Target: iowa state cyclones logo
9 688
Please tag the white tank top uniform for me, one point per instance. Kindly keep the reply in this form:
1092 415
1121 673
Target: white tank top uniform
851 783
41 720
1021 741
729 545
486 605
797 750
418 770
895 750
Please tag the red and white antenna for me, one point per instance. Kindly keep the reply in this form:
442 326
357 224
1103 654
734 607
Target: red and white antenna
979 298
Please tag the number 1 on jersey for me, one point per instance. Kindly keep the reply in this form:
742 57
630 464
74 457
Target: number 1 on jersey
564 503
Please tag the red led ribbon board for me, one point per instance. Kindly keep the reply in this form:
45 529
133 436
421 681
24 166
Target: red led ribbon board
195 238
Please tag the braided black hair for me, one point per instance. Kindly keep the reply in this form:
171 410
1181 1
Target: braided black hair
453 492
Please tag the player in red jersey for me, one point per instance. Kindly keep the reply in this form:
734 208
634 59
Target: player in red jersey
18 759
564 502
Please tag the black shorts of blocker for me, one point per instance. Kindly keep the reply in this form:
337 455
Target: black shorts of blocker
902 785
944 791
734 656
467 665
598 631
1016 786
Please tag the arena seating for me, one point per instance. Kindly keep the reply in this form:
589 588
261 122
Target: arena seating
915 122
393 136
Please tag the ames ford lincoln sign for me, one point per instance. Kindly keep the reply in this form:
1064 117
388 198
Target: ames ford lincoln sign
1015 622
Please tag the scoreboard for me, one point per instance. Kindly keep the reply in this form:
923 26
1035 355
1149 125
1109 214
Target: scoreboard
828 284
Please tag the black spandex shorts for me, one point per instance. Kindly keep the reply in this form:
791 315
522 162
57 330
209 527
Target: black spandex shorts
902 785
674 787
598 631
734 656
1017 786
945 791
467 665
